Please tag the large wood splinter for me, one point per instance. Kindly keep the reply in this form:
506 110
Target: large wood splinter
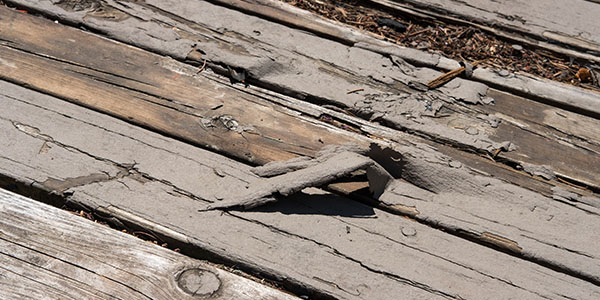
334 167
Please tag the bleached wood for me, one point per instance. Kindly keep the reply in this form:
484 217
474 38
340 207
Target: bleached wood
47 253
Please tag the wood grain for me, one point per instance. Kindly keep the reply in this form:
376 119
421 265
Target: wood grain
298 65
153 91
68 77
316 243
49 254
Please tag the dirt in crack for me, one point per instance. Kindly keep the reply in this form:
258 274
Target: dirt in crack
462 43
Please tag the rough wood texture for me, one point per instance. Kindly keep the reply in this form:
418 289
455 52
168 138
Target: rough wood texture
573 23
418 11
47 253
299 65
420 164
562 95
324 243
337 166
152 91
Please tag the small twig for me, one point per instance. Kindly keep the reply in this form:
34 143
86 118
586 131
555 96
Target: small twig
418 32
490 157
202 68
147 235
435 83
497 152
569 183
354 91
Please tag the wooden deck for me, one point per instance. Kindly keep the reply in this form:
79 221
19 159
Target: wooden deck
153 114
52 254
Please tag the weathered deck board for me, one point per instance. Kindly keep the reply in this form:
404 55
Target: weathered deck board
421 165
561 95
47 253
573 23
299 65
345 249
152 91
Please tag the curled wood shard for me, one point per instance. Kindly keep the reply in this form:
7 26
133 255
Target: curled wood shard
337 166
275 168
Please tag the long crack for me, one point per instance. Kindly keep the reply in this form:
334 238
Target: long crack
396 277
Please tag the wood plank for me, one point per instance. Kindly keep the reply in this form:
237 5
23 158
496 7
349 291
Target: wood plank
421 165
572 23
298 69
572 134
540 89
346 249
167 96
48 253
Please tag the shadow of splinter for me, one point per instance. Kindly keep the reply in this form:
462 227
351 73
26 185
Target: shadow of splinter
317 204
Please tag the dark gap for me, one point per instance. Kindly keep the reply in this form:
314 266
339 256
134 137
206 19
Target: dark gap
31 191
578 184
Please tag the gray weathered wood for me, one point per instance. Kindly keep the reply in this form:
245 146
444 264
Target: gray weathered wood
550 91
420 164
47 253
295 65
154 91
335 167
573 23
321 242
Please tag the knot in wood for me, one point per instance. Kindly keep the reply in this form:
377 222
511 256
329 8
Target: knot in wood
226 121
409 231
198 282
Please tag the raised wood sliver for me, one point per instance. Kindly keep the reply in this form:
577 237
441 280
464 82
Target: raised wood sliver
347 249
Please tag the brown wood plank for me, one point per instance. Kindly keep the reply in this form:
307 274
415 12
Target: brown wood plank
298 69
153 91
566 141
315 240
49 253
